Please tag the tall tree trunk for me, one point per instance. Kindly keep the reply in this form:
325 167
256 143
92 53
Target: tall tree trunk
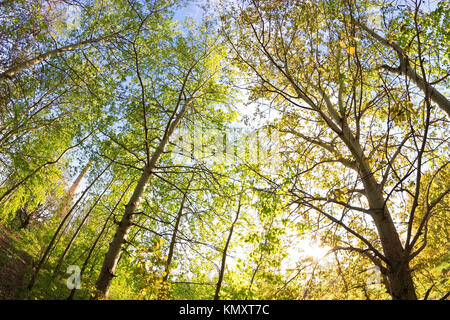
398 272
62 232
400 278
115 247
91 250
173 240
65 203
224 253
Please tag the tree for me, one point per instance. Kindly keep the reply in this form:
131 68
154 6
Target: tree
269 150
225 250
307 58
193 66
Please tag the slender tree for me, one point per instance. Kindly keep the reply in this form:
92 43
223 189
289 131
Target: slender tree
57 231
225 252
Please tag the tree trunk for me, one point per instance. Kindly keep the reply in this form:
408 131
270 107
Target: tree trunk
65 203
398 272
175 232
91 250
173 240
401 282
162 293
224 254
115 247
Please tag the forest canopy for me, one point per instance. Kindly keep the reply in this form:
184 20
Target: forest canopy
232 149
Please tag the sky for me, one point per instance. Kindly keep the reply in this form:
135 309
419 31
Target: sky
192 9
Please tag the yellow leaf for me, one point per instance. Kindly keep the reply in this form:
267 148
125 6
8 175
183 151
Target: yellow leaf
351 50
342 44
